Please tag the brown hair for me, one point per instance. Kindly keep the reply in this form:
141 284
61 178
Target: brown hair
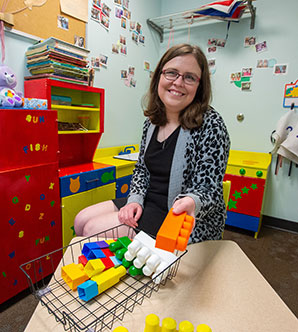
192 115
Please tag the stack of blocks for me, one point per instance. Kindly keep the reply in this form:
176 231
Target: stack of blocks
97 270
103 263
168 324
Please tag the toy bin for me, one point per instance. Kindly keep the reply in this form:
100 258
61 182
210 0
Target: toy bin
103 310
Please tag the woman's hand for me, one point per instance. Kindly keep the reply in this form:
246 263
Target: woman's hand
130 214
185 204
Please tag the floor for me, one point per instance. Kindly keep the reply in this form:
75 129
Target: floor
274 253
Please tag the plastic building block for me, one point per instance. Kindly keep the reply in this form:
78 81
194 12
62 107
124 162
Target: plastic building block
87 290
82 260
122 242
152 323
174 232
93 267
120 329
134 271
169 325
108 263
115 261
110 241
102 244
74 275
203 328
109 278
92 250
153 261
107 252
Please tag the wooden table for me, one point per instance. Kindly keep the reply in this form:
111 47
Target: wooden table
216 284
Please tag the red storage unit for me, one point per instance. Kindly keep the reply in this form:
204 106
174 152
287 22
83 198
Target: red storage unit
29 194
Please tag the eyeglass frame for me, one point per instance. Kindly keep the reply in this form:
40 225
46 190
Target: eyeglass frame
182 75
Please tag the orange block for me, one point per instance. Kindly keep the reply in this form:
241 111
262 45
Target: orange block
174 232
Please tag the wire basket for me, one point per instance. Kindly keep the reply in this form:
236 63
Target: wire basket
101 312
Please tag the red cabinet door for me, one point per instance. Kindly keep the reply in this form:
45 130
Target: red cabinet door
30 223
27 138
246 195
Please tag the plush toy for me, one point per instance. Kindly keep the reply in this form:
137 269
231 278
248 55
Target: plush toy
8 96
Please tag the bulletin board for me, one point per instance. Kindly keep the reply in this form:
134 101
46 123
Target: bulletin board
42 21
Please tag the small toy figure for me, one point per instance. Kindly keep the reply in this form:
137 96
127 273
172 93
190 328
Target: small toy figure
8 96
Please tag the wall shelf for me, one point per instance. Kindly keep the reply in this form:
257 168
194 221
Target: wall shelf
186 19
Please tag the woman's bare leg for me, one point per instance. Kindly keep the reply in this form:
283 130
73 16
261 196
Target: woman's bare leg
102 214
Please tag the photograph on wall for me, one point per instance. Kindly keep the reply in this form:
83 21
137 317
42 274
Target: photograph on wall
261 47
122 40
106 10
95 14
115 48
212 42
212 49
291 94
142 39
62 22
280 69
105 21
221 42
131 70
123 74
132 25
97 3
138 27
125 3
249 41
127 14
79 41
235 77
135 37
95 63
262 63
118 12
103 60
123 49
246 86
123 22
247 72
147 65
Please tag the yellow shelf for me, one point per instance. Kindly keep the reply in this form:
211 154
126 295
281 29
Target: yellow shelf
75 108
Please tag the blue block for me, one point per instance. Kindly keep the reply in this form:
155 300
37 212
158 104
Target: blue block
88 247
95 253
88 290
115 260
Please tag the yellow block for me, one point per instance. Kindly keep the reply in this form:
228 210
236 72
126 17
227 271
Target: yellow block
93 267
73 275
109 278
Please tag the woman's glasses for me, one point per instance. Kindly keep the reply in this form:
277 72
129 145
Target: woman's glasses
173 75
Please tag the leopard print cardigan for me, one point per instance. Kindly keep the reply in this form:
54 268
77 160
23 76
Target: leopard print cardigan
198 167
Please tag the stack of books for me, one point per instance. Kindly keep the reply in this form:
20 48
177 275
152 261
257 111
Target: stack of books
59 60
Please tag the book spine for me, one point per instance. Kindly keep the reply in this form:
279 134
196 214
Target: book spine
72 49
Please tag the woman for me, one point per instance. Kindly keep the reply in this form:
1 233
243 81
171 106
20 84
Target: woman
183 155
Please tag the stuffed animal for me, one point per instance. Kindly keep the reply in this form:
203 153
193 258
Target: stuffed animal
8 96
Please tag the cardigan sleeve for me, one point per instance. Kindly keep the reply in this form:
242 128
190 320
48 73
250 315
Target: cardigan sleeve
140 178
207 157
